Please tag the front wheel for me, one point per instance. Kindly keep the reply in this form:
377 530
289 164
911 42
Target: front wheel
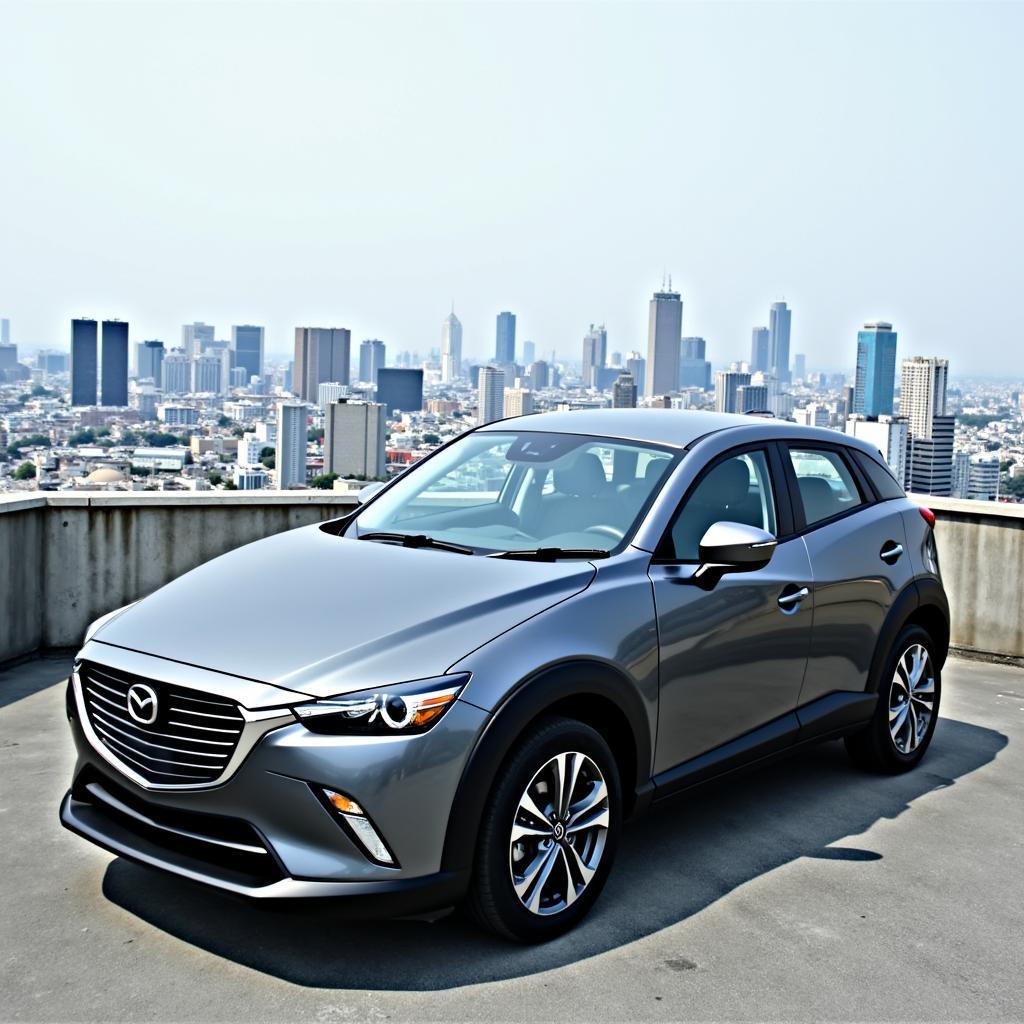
907 710
548 834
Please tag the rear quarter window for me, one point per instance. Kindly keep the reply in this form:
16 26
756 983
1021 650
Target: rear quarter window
880 475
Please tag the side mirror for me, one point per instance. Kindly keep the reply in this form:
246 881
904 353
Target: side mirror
366 493
733 547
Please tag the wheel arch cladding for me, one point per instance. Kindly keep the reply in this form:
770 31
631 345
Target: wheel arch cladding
589 691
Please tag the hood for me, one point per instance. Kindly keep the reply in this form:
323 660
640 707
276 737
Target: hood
326 615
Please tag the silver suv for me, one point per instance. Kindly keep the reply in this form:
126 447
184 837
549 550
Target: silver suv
458 693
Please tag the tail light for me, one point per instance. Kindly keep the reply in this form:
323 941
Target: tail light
928 516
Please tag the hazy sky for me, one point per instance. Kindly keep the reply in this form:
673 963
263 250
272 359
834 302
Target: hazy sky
362 165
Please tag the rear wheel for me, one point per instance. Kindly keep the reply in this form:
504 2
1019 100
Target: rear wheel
908 707
548 834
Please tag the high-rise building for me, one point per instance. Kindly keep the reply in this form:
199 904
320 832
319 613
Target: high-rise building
538 374
329 392
195 336
779 320
518 402
149 361
8 357
595 352
889 434
726 384
529 353
177 372
371 359
694 368
875 378
5 331
961 475
637 366
84 364
290 460
207 371
983 479
114 363
505 339
321 354
760 350
354 438
754 398
490 395
664 341
624 392
247 345
923 392
930 468
400 390
799 366
451 348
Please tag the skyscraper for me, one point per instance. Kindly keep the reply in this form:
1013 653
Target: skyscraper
538 373
779 319
726 384
624 392
517 402
83 362
371 359
400 390
760 350
5 331
247 344
637 366
290 459
923 404
875 378
194 337
451 348
889 434
595 352
664 339
751 398
321 354
114 368
505 339
490 395
354 439
694 369
149 361
800 366
177 372
207 373
529 353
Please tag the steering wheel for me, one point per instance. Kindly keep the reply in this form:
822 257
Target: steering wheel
609 531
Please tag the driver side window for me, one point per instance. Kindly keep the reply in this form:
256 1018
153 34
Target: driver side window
736 490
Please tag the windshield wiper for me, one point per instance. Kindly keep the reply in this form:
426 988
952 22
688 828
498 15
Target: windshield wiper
551 554
417 540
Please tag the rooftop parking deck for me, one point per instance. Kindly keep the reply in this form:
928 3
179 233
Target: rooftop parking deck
806 891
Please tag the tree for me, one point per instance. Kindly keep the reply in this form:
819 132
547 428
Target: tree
431 439
239 431
215 478
32 441
268 460
265 451
223 421
83 436
39 391
1014 487
129 437
315 434
230 485
26 471
325 481
141 470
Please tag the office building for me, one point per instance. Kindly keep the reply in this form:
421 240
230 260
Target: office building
5 331
923 383
207 370
624 392
726 384
321 354
637 366
930 469
194 337
290 459
49 360
529 353
664 341
9 357
149 361
177 372
814 414
400 390
490 395
760 350
517 402
799 366
329 392
505 338
84 365
250 479
875 378
176 415
538 373
247 348
694 368
779 321
960 485
754 398
238 378
250 449
371 359
889 434
114 364
595 352
451 348
983 479
354 439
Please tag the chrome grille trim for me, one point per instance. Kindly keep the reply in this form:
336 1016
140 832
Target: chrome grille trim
197 756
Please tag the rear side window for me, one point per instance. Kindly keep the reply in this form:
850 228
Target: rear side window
881 476
826 484
735 490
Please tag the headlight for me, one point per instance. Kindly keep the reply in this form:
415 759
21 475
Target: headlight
405 709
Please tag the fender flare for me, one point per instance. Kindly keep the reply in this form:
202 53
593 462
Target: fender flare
534 696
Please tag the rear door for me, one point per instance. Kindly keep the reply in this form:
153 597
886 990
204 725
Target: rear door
733 657
857 548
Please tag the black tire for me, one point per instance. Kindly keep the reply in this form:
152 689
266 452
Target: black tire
492 900
874 747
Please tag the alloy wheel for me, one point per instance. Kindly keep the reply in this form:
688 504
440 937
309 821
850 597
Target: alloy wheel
558 833
911 699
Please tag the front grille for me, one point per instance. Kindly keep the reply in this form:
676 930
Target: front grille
190 740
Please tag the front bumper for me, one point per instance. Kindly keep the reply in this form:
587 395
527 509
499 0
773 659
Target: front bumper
264 833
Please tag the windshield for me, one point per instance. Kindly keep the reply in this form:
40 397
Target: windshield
522 490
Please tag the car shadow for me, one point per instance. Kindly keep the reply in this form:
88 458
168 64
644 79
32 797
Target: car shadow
672 863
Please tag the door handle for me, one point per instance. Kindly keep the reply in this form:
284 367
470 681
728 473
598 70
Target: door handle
890 552
789 602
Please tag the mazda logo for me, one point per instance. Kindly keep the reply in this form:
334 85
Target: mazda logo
142 704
